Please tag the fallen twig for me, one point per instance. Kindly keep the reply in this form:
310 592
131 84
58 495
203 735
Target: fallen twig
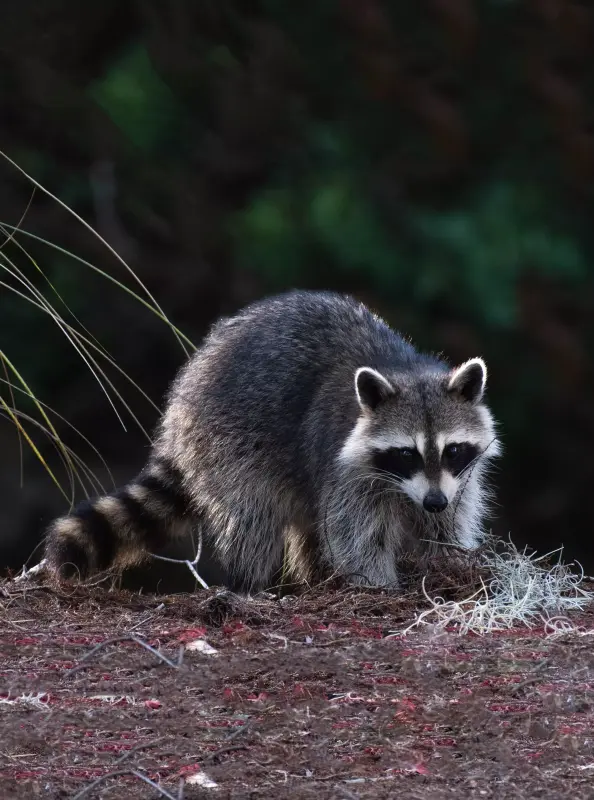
221 751
27 573
140 775
124 637
138 747
191 565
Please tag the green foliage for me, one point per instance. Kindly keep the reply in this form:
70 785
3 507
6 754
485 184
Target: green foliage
138 101
343 223
267 234
472 258
468 259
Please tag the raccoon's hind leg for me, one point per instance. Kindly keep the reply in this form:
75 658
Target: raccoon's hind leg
122 528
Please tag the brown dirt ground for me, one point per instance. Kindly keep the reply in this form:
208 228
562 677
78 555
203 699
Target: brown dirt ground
306 697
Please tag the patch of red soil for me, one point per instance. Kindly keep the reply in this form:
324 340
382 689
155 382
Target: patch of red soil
315 696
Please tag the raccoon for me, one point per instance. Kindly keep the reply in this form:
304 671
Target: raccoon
304 432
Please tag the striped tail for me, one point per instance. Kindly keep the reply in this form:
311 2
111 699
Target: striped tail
120 529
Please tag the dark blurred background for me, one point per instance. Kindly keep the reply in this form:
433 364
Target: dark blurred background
434 158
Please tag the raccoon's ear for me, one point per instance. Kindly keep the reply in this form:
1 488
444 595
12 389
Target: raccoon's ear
468 381
372 388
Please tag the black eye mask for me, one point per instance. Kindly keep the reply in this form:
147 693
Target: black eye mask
400 462
456 457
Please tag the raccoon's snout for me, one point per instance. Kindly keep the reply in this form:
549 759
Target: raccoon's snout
435 501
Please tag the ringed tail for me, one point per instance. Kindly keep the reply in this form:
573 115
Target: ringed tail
122 528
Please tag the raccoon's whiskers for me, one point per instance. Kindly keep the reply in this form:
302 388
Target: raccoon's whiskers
365 474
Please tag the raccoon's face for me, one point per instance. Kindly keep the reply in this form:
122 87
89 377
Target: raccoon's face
423 432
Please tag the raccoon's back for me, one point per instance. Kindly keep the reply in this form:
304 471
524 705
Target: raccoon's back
274 356
248 394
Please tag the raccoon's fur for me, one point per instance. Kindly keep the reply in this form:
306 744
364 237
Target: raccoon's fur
303 426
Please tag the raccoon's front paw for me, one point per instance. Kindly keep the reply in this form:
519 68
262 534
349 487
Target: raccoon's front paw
367 579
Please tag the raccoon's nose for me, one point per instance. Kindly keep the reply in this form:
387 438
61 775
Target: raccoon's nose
435 501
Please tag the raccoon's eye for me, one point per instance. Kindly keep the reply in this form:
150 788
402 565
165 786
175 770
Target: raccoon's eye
451 450
407 452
